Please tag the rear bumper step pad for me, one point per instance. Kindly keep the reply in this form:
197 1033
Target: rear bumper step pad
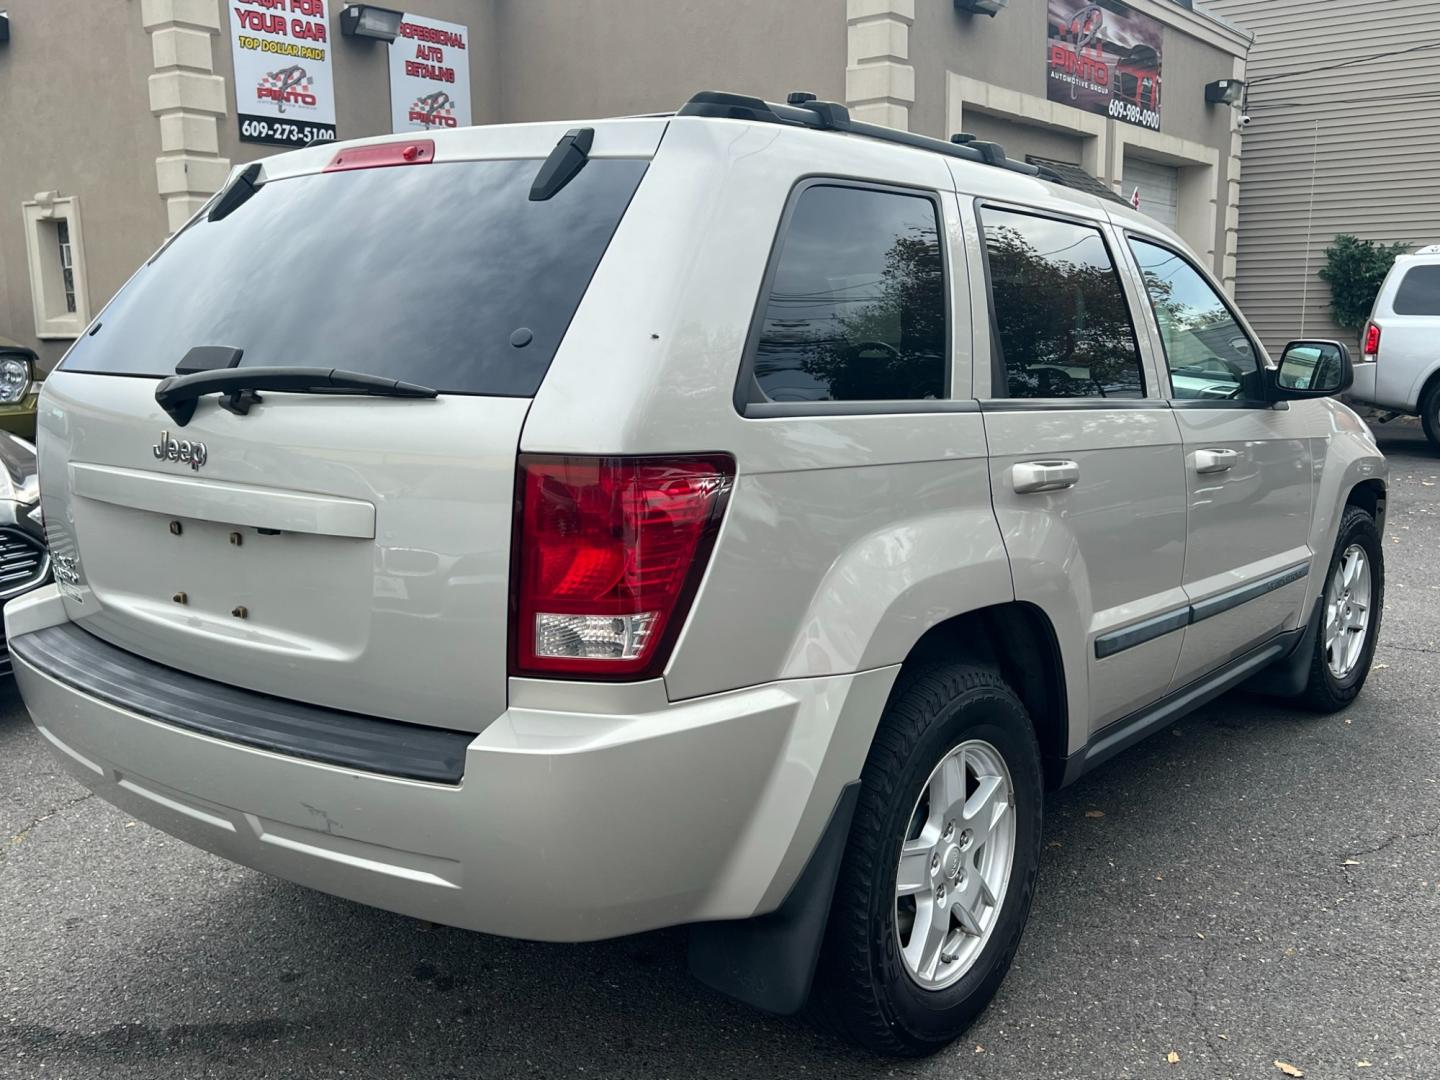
76 658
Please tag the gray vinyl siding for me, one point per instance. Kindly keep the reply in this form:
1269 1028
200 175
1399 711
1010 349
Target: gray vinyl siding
1372 169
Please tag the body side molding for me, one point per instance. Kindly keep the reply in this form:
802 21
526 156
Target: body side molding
1127 637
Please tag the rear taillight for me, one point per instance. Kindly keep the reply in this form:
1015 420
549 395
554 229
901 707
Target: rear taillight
1372 343
608 553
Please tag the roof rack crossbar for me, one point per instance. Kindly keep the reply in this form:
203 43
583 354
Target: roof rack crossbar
804 111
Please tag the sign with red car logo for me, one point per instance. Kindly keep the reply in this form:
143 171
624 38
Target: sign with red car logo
1104 57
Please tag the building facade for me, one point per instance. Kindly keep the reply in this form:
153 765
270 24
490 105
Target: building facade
1343 125
119 120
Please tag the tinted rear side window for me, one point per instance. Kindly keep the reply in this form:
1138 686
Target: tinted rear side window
419 273
856 311
1419 292
1061 318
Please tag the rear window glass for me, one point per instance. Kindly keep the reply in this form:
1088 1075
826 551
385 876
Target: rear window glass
444 275
1419 292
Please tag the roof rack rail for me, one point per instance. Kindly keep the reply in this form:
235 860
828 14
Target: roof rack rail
802 110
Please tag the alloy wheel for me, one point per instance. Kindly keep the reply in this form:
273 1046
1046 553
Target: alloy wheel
955 865
1347 612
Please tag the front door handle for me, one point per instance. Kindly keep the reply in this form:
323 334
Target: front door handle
1215 461
1030 477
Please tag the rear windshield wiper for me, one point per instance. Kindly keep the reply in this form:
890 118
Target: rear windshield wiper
178 394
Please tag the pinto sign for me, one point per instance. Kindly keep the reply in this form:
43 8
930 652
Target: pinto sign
1104 57
429 75
284 94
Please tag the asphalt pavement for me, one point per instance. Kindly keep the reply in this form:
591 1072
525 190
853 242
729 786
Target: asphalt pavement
1254 886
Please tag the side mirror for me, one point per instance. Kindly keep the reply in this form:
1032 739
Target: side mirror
1311 369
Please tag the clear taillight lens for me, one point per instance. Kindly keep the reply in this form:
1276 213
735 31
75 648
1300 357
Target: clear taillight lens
1372 342
608 554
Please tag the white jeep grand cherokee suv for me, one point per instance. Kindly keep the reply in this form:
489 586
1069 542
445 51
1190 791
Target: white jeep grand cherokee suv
1399 368
736 519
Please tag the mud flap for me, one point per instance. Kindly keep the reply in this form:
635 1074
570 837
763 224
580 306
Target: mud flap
769 961
1288 677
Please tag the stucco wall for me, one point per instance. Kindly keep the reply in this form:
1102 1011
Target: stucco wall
571 58
1019 140
1188 65
75 118
1008 50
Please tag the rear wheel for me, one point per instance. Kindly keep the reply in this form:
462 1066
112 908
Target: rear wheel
1350 610
1430 413
938 877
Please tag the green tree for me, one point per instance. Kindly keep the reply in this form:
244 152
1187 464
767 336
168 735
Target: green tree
1355 269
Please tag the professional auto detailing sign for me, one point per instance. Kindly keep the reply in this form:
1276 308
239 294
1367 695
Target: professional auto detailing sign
1105 58
283 91
429 75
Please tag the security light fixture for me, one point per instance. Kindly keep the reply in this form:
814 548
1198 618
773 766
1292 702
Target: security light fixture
4 27
367 20
981 7
1225 92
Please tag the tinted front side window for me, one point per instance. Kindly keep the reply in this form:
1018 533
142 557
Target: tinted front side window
418 273
1209 355
1419 292
856 311
1061 320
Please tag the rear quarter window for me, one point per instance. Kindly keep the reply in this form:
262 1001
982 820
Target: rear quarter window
857 305
444 274
1419 292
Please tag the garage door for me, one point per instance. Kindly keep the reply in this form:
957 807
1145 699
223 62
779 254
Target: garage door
1159 188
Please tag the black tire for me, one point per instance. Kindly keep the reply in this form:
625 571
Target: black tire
1325 693
1430 414
862 989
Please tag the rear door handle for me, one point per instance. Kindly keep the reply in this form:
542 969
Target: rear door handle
1030 477
1215 461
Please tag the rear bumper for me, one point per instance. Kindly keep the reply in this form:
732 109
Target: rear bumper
567 824
1370 389
1363 388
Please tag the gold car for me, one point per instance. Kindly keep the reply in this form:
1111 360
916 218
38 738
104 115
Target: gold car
19 388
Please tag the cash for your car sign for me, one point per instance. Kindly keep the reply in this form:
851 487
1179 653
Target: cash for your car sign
1105 58
429 75
283 90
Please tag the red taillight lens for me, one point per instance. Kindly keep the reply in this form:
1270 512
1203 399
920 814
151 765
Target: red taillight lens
1372 342
608 554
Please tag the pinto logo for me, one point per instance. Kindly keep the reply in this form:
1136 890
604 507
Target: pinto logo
1084 56
434 110
288 86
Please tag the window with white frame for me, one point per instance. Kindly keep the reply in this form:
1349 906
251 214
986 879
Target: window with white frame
57 265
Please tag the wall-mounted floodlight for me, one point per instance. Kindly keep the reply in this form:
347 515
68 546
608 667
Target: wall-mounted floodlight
1225 92
367 20
4 27
981 7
